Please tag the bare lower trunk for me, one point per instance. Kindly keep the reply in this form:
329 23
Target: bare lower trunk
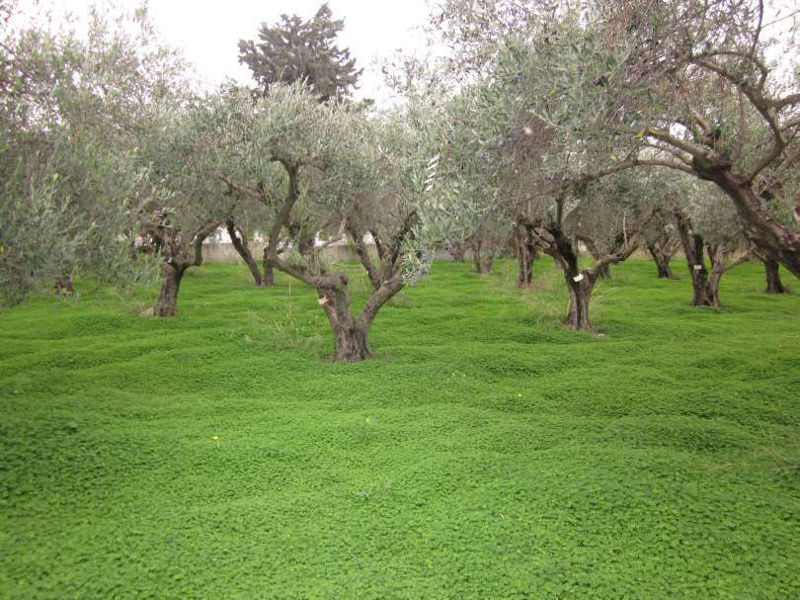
269 271
483 263
64 286
713 285
457 249
774 284
526 254
661 259
580 293
239 241
351 344
663 270
350 337
693 246
702 294
167 303
662 252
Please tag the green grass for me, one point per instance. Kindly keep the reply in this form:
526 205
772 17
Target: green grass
504 457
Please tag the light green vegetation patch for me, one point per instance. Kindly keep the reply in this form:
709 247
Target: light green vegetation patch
485 453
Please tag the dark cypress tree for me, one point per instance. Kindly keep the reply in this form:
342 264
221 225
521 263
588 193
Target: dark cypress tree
297 50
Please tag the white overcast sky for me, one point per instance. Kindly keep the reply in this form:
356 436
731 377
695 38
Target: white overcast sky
209 31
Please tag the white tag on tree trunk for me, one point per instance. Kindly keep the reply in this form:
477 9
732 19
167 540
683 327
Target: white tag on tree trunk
698 267
578 277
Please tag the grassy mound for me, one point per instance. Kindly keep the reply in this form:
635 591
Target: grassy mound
485 453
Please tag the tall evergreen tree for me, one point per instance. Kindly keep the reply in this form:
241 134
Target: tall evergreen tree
297 50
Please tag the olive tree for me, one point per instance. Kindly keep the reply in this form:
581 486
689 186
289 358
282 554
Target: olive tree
662 242
325 168
180 148
708 227
714 105
72 108
690 79
606 213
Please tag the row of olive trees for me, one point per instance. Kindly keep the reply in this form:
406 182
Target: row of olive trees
122 161
553 131
572 111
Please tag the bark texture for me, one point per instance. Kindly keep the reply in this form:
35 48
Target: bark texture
239 241
269 272
180 253
167 303
350 336
526 254
580 293
693 245
705 283
580 283
482 255
772 272
662 253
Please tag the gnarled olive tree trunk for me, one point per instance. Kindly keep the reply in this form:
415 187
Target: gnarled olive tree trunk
350 336
763 231
705 284
239 241
167 303
717 253
662 254
580 283
693 246
350 331
526 254
269 270
772 272
180 253
581 286
482 255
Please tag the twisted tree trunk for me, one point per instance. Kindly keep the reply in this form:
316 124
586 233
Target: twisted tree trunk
717 255
482 263
772 271
526 254
763 230
239 241
167 303
181 253
662 254
269 271
580 283
350 336
581 286
693 250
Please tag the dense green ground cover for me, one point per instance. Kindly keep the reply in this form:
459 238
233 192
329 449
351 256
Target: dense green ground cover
486 452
